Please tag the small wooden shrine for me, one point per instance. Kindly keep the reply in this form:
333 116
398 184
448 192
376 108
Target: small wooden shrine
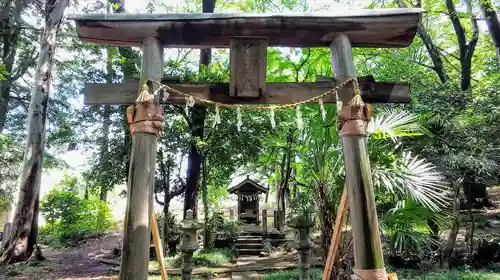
248 192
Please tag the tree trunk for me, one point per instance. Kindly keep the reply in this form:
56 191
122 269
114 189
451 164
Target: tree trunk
452 236
166 227
206 232
197 123
103 193
194 161
10 36
32 244
18 246
327 222
106 121
466 48
492 21
283 192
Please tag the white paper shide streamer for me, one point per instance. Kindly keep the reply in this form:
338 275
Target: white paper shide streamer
322 108
189 104
166 94
238 116
217 116
300 121
271 116
249 197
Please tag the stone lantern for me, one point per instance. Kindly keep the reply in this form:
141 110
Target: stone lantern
188 243
303 224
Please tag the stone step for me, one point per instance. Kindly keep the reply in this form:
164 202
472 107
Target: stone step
248 252
253 242
259 246
250 233
248 238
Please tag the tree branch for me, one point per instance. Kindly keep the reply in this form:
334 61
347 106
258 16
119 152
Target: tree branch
457 25
431 47
176 192
179 109
158 200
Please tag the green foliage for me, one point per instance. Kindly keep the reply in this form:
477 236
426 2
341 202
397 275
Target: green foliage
69 217
407 227
11 155
3 72
207 257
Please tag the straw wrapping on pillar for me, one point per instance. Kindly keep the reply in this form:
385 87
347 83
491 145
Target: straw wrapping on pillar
369 274
355 116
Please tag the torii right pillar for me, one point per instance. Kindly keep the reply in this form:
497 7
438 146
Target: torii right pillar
368 257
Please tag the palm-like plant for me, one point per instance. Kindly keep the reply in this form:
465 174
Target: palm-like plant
397 173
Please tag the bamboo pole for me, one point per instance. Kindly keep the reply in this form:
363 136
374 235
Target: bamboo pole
158 247
336 235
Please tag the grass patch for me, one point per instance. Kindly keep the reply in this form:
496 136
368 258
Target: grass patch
316 274
205 257
450 275
158 277
28 268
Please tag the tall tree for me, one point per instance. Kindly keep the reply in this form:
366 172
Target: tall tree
196 124
430 45
466 51
11 39
466 48
492 21
22 240
205 57
106 121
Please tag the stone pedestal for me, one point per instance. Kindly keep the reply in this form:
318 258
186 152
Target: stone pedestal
231 214
264 221
303 225
188 243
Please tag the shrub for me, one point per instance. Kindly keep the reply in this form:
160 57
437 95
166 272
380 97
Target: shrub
71 218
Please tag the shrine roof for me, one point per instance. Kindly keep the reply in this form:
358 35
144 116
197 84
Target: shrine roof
247 182
365 28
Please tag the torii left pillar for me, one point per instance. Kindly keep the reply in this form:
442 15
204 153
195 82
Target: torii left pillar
137 228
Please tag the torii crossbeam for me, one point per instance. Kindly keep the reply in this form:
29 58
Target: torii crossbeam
248 36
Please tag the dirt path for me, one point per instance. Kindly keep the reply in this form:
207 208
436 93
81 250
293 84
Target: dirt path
68 263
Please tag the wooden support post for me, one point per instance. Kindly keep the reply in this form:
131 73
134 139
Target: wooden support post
264 221
275 219
336 235
158 247
368 258
137 232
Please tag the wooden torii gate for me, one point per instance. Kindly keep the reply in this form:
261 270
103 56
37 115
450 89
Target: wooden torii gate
248 36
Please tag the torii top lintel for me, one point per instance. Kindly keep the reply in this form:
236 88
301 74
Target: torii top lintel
365 28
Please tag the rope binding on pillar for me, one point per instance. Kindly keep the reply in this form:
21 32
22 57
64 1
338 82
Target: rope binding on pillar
355 116
145 116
